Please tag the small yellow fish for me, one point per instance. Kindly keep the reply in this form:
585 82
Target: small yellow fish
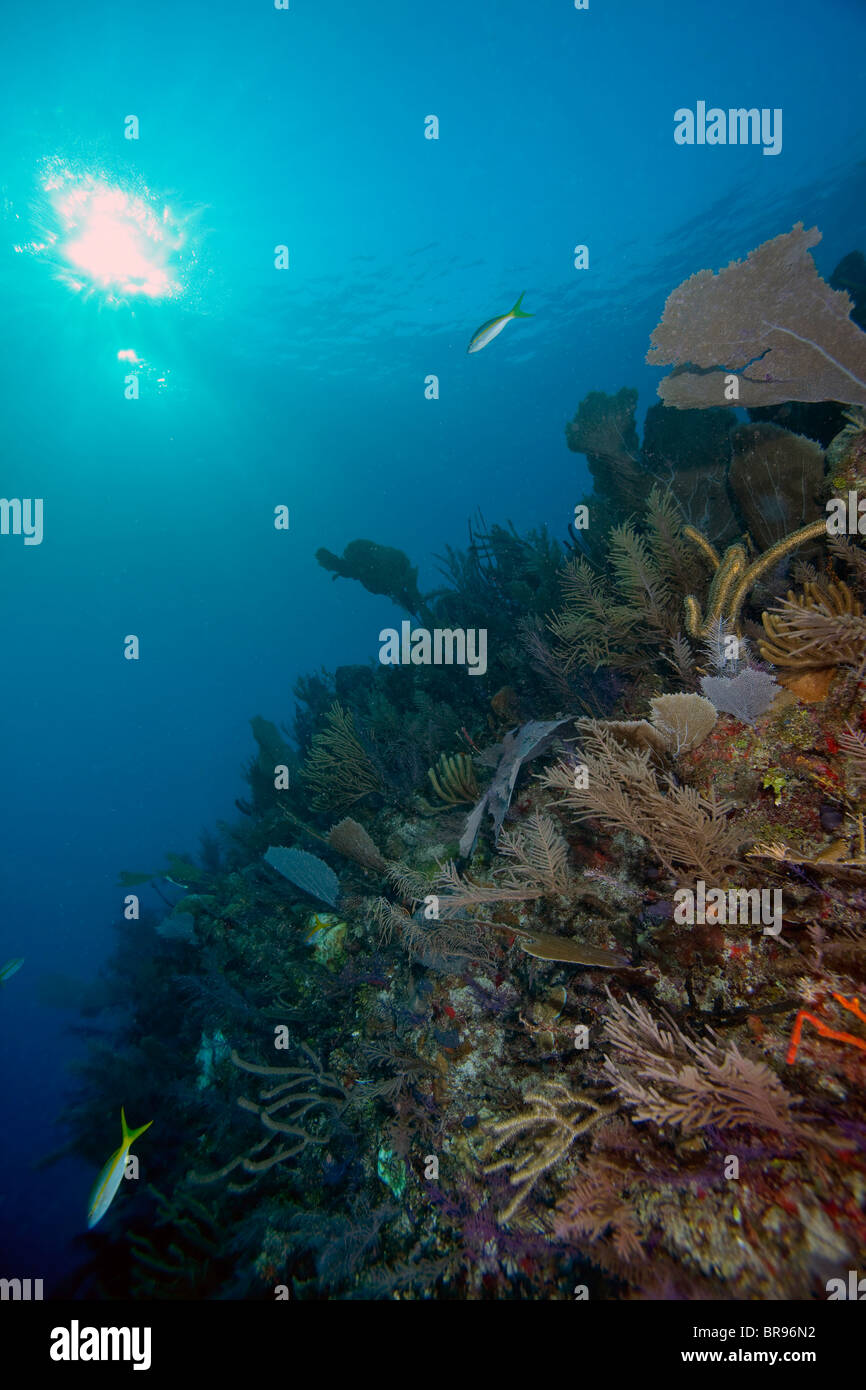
318 925
493 327
109 1179
10 968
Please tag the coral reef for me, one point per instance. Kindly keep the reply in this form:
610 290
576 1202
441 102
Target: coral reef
593 1004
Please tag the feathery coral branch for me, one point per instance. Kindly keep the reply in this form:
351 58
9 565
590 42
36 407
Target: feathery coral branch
540 854
684 828
672 1080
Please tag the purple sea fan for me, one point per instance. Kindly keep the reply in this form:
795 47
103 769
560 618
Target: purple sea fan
746 696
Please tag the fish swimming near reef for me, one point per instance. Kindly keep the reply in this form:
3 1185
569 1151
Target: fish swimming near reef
318 924
109 1179
10 968
493 327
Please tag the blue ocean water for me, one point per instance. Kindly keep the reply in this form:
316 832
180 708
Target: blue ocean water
305 127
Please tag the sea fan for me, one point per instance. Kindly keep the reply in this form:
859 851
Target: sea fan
746 696
684 720
309 873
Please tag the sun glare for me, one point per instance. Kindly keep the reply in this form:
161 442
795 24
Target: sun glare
108 238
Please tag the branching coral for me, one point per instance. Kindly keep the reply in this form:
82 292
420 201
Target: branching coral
386 918
844 867
852 1005
604 626
596 1202
672 1080
620 619
456 893
540 855
444 944
735 576
592 628
339 769
849 553
823 626
543 1134
684 828
552 668
321 1092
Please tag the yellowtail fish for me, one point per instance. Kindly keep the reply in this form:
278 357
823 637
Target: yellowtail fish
109 1179
493 327
319 924
10 968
